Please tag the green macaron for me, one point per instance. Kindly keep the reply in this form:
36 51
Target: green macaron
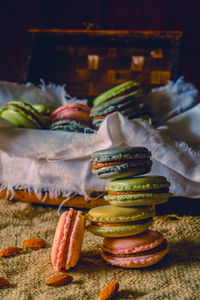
113 221
42 109
138 191
115 91
22 114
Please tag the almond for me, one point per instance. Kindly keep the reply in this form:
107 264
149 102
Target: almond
10 251
4 282
109 291
35 243
59 280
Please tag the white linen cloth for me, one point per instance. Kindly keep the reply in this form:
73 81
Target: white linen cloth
60 161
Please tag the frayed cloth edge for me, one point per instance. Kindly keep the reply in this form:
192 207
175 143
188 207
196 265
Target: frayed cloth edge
40 192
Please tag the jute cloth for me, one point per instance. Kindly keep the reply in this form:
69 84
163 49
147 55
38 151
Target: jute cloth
175 277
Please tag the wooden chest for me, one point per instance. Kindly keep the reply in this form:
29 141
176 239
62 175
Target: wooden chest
92 61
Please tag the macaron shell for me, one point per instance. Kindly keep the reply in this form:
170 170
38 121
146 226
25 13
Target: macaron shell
72 126
73 111
141 183
75 242
118 153
60 239
135 262
118 103
121 230
68 240
112 214
122 171
115 91
137 199
137 243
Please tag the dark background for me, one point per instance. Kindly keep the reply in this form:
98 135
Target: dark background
16 16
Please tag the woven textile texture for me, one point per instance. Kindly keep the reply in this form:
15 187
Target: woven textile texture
175 277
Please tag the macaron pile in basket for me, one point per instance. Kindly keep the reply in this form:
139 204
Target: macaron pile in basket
128 241
76 115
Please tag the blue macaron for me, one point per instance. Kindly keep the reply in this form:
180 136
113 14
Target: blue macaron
121 162
71 125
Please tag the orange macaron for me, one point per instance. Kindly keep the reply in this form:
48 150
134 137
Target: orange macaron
68 240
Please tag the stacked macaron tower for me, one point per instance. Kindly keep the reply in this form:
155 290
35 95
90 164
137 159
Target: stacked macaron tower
124 98
128 241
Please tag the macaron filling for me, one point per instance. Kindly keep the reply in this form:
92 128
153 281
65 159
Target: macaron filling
150 191
128 162
107 224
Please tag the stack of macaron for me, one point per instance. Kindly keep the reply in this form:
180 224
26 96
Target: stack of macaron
124 98
24 115
74 117
128 241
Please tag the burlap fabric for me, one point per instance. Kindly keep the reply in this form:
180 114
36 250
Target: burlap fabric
175 277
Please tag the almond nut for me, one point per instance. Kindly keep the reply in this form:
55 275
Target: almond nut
59 280
109 291
4 282
10 251
35 243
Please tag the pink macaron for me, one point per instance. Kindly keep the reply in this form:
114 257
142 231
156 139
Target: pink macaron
72 111
68 240
138 251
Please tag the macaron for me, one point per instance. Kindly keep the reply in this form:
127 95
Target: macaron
121 162
72 111
113 221
72 126
129 105
68 240
22 114
138 191
118 90
124 98
138 251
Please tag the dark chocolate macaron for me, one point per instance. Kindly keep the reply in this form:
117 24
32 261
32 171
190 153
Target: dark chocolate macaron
121 162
